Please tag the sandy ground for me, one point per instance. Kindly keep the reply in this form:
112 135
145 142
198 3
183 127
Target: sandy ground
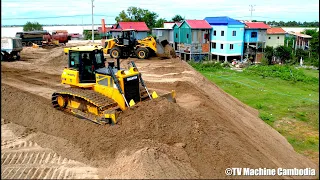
200 136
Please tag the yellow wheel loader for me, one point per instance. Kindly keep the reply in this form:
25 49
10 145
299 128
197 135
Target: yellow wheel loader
128 46
98 91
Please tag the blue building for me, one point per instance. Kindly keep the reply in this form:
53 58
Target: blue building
227 38
255 40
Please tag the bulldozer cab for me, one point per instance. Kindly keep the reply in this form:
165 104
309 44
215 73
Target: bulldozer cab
86 62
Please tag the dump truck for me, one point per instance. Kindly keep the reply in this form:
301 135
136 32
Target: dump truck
31 37
11 48
100 91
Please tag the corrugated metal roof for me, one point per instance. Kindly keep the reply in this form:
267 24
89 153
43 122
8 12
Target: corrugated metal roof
300 35
198 24
256 25
168 25
276 30
138 26
222 20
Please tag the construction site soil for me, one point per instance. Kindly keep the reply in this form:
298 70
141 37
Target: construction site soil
201 135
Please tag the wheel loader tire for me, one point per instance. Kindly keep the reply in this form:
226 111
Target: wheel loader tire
142 53
115 52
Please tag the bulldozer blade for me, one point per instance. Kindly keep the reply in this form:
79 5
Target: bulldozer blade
170 96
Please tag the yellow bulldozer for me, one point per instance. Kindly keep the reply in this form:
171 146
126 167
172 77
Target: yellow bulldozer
126 45
99 90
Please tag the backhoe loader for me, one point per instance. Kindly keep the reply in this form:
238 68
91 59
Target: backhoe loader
99 91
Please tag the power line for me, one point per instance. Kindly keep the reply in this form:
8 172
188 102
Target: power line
251 9
92 21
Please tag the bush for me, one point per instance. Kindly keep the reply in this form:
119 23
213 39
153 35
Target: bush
268 118
284 54
300 53
208 66
283 72
311 62
264 61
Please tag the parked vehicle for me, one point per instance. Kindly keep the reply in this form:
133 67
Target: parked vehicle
61 35
75 36
62 38
31 37
11 48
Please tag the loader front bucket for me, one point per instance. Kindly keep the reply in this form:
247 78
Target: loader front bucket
165 50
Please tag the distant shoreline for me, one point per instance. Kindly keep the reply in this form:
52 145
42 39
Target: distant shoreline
59 25
113 24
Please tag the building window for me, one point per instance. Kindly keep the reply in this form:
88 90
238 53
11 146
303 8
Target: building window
269 37
253 34
214 45
221 46
231 46
176 35
222 33
214 32
234 33
278 37
187 35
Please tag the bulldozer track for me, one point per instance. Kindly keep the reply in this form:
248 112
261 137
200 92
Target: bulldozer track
93 97
24 159
102 102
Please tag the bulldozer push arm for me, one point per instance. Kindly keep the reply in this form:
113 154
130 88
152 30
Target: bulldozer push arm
141 80
117 84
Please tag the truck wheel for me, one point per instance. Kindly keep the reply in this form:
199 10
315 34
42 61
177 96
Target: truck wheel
24 44
18 57
29 43
115 52
1 57
142 53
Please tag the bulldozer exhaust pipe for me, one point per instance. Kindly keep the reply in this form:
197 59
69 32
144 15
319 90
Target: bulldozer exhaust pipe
118 63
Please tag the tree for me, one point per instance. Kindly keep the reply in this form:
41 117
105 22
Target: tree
135 14
35 26
177 18
268 53
314 42
283 53
160 22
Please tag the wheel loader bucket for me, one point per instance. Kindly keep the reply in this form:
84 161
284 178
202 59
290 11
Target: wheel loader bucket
164 50
160 48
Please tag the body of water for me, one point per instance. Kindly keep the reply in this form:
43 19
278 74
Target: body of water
11 31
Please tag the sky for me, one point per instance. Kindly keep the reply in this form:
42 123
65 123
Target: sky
18 12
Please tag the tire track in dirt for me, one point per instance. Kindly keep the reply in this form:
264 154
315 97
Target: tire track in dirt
25 159
218 130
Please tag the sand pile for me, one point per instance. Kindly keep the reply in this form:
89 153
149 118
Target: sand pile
159 139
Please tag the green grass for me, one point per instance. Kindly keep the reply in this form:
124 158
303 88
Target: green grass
289 106
311 72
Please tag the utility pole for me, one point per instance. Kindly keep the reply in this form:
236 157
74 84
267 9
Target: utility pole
92 22
251 9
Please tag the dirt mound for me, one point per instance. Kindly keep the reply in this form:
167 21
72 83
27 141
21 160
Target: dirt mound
159 139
